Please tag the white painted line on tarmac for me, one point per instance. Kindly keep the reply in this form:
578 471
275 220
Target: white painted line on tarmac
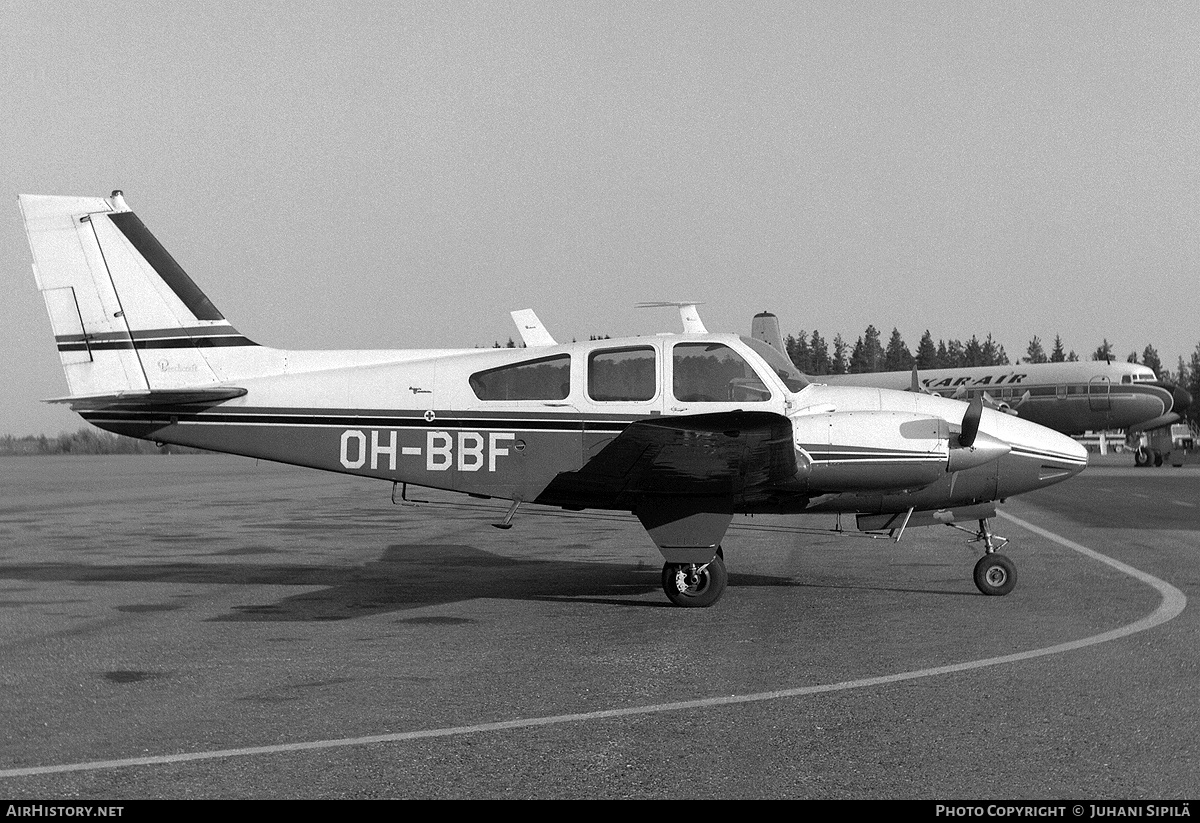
1173 602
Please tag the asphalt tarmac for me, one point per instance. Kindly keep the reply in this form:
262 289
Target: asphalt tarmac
214 627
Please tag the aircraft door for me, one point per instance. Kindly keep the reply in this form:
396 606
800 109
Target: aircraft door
1099 398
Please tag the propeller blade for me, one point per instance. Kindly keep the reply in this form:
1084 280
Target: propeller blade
970 423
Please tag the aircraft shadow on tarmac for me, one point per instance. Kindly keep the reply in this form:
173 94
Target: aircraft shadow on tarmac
406 577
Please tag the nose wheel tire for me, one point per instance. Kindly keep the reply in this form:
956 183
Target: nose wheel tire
695 585
995 575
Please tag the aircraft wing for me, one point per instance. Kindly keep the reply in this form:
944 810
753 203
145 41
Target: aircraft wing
720 455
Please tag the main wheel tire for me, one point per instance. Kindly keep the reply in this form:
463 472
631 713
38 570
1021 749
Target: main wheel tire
695 589
1141 457
995 575
1158 458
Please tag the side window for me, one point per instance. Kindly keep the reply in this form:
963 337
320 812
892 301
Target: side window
545 379
713 372
623 374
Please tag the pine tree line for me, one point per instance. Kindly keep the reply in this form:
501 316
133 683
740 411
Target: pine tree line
812 355
86 441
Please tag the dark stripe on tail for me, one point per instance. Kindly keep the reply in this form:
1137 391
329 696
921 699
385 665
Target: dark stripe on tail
162 261
173 343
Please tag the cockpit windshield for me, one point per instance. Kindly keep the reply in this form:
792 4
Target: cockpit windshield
791 376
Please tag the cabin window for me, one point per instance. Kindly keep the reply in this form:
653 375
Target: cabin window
712 373
546 379
623 374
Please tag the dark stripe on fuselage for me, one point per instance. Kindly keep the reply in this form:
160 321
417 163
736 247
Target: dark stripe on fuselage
178 415
166 415
1025 451
162 261
871 456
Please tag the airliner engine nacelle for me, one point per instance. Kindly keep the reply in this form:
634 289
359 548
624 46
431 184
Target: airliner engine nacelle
907 451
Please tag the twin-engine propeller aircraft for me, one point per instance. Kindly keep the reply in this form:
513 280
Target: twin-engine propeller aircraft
682 430
1072 397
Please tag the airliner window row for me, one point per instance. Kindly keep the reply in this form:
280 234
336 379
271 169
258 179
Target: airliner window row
1099 387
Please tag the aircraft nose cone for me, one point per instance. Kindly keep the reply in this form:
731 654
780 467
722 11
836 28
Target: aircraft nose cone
1065 457
1074 452
1181 398
1040 456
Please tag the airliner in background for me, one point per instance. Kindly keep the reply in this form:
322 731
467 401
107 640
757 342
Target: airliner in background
1071 398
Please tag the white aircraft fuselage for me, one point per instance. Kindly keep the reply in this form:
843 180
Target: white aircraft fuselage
682 430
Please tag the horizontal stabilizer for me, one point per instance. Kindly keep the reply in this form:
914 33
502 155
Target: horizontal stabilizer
692 324
158 397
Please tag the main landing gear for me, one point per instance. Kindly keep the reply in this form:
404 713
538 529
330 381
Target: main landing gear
995 574
1144 457
695 584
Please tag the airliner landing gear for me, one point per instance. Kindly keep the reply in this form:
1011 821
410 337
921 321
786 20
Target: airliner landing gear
695 584
1144 457
995 574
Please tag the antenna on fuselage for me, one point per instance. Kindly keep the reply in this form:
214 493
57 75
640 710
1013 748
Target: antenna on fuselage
692 324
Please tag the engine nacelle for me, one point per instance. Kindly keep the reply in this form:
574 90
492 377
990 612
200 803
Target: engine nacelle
870 450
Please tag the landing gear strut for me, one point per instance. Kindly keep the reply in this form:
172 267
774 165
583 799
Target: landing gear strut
995 574
695 584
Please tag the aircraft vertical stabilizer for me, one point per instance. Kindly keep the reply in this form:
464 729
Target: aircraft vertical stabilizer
126 317
765 327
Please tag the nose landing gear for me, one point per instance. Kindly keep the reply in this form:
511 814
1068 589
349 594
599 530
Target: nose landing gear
995 575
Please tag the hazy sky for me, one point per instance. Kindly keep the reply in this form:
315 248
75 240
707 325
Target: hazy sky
391 175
